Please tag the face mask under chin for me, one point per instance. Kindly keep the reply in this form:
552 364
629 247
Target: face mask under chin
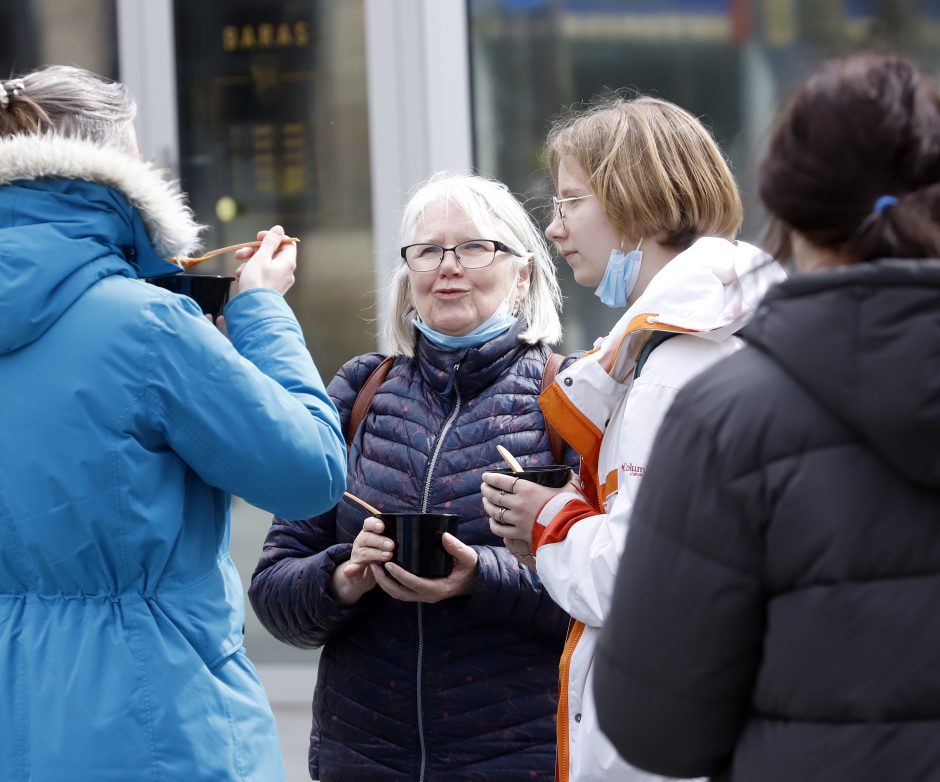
620 276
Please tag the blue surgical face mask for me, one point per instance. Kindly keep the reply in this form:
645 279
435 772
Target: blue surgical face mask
620 277
500 321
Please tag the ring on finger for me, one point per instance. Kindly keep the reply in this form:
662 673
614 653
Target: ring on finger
502 493
502 512
512 489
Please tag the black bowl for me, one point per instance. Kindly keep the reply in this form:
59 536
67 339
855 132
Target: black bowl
553 475
418 546
209 291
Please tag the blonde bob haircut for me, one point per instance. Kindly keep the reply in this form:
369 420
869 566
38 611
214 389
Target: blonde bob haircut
494 213
655 168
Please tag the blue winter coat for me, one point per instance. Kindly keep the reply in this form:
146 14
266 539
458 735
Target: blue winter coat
464 689
126 420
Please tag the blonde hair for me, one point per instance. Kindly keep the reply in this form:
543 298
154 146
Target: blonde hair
496 214
655 168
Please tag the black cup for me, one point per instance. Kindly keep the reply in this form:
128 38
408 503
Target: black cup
209 291
418 546
554 475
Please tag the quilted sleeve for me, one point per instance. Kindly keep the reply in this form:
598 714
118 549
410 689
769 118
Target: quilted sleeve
289 589
506 591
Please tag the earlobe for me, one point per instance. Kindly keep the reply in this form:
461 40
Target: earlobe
522 283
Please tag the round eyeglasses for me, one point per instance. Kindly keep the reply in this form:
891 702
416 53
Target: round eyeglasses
472 254
557 202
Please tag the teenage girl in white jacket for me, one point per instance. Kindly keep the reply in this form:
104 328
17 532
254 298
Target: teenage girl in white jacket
646 213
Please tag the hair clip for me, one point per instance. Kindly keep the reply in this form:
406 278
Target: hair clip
883 202
13 87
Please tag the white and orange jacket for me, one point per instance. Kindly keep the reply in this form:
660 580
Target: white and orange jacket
704 295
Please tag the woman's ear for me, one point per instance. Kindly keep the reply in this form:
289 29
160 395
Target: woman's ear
522 282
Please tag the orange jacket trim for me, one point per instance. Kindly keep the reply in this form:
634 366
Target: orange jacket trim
610 486
642 322
558 527
562 766
573 425
589 485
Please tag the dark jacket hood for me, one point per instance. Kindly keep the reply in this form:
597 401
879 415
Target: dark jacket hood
865 342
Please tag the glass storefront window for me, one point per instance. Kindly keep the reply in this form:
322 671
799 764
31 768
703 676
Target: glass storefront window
273 129
729 62
273 114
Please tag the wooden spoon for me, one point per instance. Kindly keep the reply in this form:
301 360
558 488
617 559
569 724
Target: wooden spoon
188 263
509 459
374 511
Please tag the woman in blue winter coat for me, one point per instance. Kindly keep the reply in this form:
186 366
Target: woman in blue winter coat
127 420
434 679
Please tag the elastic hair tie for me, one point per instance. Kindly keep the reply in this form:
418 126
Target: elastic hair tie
883 202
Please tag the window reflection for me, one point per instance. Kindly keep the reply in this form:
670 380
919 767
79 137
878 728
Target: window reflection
273 129
727 61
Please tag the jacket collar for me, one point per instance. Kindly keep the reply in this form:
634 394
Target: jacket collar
709 291
478 367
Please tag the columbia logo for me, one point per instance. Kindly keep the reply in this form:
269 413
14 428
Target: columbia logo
636 470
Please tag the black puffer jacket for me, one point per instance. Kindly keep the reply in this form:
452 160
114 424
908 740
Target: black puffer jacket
464 689
777 608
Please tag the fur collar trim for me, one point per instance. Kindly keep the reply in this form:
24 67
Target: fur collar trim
159 200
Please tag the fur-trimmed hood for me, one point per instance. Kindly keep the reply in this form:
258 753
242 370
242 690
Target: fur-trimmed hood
71 214
158 199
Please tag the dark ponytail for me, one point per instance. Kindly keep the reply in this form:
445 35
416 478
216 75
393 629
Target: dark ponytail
854 163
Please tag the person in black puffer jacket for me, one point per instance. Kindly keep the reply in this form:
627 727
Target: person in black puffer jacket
434 679
775 616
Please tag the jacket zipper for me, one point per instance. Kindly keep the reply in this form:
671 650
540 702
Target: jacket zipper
424 509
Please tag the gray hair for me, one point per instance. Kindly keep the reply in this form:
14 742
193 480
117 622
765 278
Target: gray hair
71 102
496 213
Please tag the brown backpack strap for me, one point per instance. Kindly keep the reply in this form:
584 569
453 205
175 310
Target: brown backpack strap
548 377
364 398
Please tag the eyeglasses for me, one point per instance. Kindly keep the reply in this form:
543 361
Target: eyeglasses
557 202
472 254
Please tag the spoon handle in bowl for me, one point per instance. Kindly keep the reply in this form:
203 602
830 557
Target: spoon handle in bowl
509 459
374 511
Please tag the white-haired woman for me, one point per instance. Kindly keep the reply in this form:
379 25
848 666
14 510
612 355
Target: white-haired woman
128 420
451 678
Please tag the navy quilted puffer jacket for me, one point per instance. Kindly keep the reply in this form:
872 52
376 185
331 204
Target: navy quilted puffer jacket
463 689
